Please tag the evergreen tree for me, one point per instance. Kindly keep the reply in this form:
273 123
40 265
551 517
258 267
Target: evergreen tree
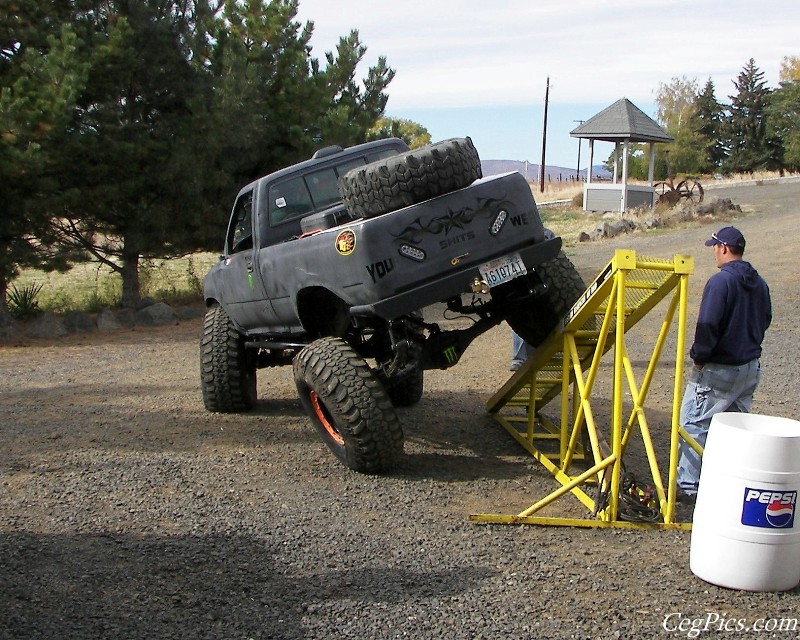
124 198
271 103
783 120
172 106
707 122
750 145
40 78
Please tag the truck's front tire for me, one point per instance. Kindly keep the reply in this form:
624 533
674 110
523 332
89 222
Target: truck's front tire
535 321
410 178
348 406
227 371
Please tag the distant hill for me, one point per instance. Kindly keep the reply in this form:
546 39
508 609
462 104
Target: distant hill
531 170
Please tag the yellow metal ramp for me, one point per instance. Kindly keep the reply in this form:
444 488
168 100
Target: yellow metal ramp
585 459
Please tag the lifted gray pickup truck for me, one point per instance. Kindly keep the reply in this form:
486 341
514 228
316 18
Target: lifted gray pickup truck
329 263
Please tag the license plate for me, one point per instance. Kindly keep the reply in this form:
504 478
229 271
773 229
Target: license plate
502 270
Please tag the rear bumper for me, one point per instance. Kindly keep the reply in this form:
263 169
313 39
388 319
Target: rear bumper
448 286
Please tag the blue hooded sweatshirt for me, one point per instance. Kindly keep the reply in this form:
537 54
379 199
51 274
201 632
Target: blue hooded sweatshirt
735 312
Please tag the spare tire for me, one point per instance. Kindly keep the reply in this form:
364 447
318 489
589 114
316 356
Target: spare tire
410 177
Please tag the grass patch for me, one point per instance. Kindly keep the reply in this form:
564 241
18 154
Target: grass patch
91 287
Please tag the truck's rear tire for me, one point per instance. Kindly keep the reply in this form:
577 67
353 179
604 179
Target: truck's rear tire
227 370
410 178
536 320
348 406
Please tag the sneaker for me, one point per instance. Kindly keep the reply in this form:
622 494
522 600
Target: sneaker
515 366
686 498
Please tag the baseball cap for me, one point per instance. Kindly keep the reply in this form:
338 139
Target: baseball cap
729 236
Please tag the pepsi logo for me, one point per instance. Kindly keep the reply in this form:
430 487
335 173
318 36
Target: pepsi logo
768 509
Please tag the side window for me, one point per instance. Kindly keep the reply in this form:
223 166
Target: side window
240 233
289 199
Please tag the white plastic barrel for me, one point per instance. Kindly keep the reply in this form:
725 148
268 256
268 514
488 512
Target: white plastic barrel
746 529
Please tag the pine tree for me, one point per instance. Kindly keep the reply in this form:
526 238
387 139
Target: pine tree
750 146
40 78
129 141
783 121
707 122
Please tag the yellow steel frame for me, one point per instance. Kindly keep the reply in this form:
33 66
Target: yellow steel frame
627 289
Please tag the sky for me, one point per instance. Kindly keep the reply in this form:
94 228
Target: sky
479 68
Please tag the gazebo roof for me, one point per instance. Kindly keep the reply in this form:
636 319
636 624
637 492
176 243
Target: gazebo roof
623 120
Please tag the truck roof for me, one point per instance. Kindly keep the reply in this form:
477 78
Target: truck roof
329 155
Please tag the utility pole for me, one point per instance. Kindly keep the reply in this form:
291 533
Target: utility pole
544 136
578 171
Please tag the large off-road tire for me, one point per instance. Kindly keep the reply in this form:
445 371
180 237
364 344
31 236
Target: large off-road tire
409 178
535 321
407 390
348 406
227 370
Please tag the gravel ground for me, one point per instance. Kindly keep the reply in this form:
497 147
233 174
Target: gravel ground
127 511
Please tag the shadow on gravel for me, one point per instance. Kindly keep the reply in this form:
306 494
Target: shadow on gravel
459 468
446 425
120 586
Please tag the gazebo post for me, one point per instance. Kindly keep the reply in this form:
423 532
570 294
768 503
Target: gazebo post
625 147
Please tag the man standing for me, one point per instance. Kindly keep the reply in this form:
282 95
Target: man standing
735 312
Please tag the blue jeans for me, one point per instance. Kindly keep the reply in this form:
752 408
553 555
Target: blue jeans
520 350
713 389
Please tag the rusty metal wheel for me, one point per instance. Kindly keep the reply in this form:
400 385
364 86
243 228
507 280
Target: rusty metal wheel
691 190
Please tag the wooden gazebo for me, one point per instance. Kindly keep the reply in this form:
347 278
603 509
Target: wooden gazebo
621 123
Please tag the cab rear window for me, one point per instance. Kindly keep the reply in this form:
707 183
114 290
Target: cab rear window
300 196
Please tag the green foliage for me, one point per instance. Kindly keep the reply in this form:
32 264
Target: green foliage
790 69
138 121
751 147
413 133
678 113
23 302
707 122
675 103
193 276
783 122
41 75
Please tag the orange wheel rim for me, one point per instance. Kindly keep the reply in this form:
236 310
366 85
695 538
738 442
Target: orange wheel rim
322 415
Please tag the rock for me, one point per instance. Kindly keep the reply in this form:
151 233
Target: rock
8 328
78 322
126 317
48 325
145 302
107 321
190 312
156 315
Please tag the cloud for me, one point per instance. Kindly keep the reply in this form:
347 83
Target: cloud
466 53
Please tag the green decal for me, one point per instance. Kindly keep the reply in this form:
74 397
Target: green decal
451 355
250 281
